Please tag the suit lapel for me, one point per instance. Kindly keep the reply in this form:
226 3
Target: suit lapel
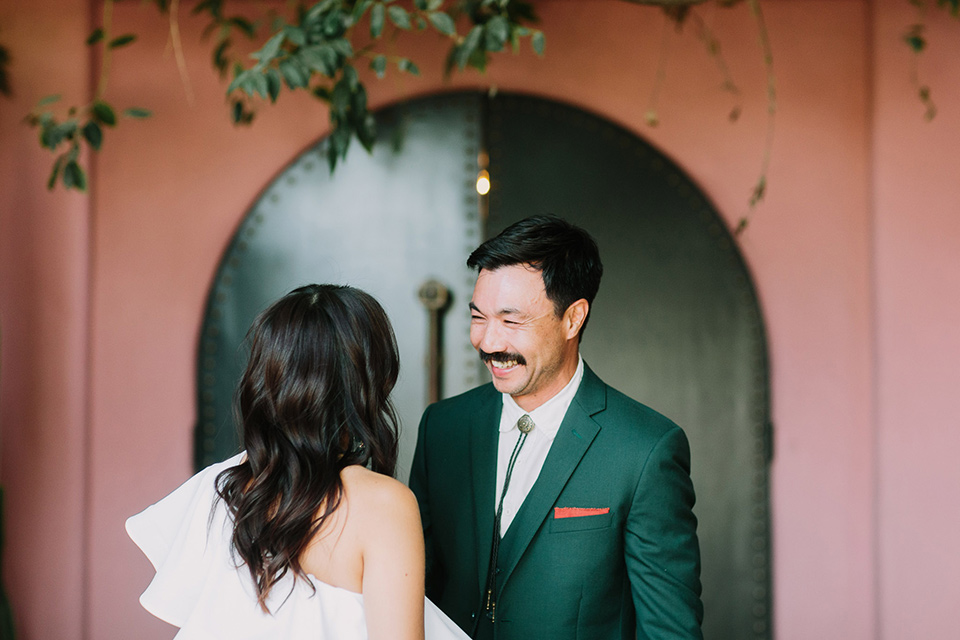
483 455
574 437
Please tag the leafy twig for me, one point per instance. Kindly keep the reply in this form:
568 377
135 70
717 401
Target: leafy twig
83 125
916 40
760 189
316 53
712 43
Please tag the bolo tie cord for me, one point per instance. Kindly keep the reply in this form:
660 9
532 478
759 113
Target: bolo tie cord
488 599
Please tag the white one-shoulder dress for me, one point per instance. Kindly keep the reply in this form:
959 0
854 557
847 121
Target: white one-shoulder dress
199 588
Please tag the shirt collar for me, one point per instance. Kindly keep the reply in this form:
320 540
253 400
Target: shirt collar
548 416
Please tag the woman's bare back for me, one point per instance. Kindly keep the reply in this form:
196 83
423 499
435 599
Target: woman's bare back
373 544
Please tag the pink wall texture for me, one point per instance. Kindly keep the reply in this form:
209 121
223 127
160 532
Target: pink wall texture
856 254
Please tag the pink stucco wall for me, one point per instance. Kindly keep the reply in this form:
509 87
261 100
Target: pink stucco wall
44 386
855 253
917 236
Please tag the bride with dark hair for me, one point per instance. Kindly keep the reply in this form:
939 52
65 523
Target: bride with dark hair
305 534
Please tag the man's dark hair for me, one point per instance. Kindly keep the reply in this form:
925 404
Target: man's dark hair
566 256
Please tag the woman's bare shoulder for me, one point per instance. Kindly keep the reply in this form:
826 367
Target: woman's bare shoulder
372 493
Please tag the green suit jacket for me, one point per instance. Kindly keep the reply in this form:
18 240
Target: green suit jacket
632 570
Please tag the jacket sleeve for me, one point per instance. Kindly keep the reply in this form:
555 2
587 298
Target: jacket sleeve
661 549
420 487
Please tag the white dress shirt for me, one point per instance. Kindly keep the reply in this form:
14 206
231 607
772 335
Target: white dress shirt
546 419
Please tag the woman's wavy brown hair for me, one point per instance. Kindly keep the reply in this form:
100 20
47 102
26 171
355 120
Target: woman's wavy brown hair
314 399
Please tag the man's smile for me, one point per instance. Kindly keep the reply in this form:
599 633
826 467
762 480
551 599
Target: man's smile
502 361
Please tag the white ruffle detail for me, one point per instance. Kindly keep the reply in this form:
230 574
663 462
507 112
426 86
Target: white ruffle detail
198 588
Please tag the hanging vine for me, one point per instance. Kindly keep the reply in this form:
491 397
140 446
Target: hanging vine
318 47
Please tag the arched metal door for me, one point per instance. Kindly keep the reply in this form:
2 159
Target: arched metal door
676 324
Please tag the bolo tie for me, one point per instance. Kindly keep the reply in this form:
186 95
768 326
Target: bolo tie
524 425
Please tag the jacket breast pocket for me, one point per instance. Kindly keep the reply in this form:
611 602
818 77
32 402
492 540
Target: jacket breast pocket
581 523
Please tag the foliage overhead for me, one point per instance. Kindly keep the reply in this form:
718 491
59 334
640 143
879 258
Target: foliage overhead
318 47
320 50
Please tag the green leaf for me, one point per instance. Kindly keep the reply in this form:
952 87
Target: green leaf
497 31
316 11
47 135
213 6
52 182
539 42
470 43
420 5
442 23
331 156
379 65
367 132
244 25
333 24
93 135
434 5
340 101
137 113
404 64
340 139
257 84
343 47
358 105
68 130
94 38
238 79
48 100
359 9
104 113
236 111
916 42
399 16
270 49
74 177
351 78
321 58
240 114
377 15
273 84
295 35
122 41
220 61
294 73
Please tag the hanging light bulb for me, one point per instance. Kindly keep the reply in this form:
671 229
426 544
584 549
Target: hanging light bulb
483 182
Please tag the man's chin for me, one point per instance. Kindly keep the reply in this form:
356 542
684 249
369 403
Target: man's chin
506 385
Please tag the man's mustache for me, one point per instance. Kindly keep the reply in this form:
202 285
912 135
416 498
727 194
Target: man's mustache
502 356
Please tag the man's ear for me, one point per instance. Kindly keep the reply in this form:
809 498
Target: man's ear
574 317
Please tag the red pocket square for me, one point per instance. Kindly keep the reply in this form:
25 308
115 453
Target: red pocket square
578 512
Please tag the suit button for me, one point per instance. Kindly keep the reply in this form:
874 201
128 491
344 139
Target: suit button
473 616
498 571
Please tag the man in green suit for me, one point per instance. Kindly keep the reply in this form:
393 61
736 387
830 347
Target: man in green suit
553 506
